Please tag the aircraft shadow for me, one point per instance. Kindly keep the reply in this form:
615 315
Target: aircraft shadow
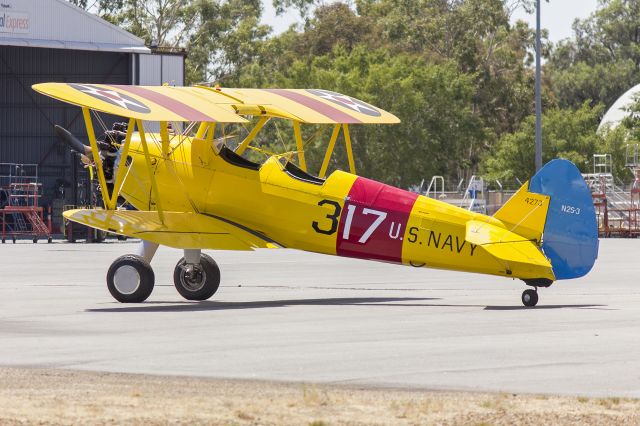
518 308
214 306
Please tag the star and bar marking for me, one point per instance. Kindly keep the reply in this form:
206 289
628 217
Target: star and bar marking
346 101
112 97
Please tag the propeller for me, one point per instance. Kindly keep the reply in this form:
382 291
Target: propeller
75 144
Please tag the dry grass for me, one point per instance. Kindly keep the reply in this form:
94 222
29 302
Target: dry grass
29 396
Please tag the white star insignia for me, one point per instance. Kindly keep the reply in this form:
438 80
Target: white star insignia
348 102
110 96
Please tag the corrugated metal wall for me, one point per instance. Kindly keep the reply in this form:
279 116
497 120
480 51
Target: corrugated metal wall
27 118
158 69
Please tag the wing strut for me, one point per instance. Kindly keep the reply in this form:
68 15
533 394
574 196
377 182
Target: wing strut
331 146
154 185
121 173
245 143
299 145
86 113
329 153
110 201
347 141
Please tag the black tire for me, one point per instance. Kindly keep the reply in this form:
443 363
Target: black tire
3 241
49 240
35 240
530 298
205 282
124 285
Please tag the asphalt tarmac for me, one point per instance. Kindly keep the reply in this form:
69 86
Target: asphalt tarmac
285 315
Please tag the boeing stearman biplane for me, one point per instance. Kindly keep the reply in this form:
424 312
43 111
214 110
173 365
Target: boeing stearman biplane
194 192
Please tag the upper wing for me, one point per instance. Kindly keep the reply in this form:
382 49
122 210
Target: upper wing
199 103
152 103
309 106
179 230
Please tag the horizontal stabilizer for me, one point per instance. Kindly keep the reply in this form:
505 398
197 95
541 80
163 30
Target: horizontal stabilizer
505 245
183 230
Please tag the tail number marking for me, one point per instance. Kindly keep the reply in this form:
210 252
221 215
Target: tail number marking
533 201
570 209
351 209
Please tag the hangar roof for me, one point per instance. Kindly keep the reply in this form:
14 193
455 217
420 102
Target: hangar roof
60 25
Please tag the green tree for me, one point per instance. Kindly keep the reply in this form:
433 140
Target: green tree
220 35
227 36
439 133
602 61
478 37
566 133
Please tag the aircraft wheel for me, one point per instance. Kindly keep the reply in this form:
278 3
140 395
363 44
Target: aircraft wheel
197 282
130 279
530 298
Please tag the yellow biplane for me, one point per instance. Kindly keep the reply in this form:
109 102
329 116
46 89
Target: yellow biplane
191 191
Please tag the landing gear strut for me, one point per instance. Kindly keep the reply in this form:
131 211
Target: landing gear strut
530 296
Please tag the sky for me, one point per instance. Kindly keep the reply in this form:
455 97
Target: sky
557 16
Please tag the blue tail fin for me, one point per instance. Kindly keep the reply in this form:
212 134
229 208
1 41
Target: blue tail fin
570 238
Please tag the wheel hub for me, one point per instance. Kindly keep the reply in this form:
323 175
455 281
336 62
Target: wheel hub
193 277
126 279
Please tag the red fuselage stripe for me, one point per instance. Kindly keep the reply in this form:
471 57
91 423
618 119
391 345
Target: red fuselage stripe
375 216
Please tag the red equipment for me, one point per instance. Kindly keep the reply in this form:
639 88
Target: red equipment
21 215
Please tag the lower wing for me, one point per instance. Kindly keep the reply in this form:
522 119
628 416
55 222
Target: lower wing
183 230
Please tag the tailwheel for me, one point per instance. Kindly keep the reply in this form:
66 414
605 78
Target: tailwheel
530 298
197 281
130 279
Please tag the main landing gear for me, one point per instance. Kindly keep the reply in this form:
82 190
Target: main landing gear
530 296
130 278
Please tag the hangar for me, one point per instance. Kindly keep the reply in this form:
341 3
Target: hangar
53 40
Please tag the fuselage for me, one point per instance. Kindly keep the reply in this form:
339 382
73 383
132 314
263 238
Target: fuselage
344 215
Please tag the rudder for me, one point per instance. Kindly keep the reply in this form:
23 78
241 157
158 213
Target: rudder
570 237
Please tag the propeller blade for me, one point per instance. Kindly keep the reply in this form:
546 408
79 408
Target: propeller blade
74 143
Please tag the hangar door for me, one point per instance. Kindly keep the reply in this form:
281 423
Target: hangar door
27 118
